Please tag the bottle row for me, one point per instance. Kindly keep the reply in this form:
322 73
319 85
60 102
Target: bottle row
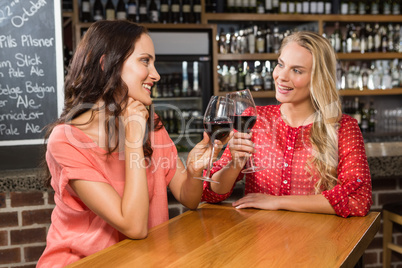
351 7
256 76
373 7
251 39
366 37
181 121
378 74
348 38
176 85
163 11
365 114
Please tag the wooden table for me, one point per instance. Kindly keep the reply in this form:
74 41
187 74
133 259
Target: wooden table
219 236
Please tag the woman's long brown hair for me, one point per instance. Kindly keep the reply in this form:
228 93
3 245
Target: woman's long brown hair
95 76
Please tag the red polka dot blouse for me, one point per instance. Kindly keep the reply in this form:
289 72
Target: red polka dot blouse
284 151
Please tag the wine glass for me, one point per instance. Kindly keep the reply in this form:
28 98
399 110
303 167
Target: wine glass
245 116
218 123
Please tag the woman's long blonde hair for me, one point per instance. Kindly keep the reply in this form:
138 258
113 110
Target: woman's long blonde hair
327 105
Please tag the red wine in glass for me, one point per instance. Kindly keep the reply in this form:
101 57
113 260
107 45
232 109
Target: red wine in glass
218 129
245 117
243 123
218 122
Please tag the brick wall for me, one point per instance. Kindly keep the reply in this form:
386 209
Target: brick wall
25 219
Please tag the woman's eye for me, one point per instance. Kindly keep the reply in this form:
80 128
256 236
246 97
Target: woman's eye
145 60
297 71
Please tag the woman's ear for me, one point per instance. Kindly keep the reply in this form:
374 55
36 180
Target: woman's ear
101 62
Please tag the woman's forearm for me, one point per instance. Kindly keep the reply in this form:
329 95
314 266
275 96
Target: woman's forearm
306 203
226 177
135 200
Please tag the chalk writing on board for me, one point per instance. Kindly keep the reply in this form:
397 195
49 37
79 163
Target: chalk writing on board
28 68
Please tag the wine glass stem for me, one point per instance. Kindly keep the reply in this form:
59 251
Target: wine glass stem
210 161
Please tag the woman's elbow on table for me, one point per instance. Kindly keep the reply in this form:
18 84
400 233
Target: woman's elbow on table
136 232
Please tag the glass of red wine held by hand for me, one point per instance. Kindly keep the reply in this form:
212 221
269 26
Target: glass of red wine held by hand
245 116
218 123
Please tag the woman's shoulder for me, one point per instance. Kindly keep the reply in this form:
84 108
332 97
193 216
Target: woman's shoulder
63 134
268 111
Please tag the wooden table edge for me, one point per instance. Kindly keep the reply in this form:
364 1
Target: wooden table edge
364 242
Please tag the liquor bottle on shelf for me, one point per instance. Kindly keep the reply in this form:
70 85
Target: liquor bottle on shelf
396 7
364 123
98 10
196 85
375 7
387 7
372 112
298 7
252 6
121 12
232 78
268 6
363 39
186 9
132 10
356 112
276 40
269 40
230 6
185 90
328 7
197 11
291 6
110 10
283 7
153 12
306 6
275 6
260 7
142 11
260 42
395 74
222 49
390 34
320 7
344 7
225 78
164 12
256 78
240 76
362 8
85 11
251 39
175 11
313 6
352 8
238 6
247 77
267 76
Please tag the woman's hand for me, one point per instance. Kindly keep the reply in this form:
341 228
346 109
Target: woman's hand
198 158
258 200
241 147
135 121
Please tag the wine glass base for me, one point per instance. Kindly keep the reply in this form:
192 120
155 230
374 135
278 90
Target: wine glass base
252 170
206 179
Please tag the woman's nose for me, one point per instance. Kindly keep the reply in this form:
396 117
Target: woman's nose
154 75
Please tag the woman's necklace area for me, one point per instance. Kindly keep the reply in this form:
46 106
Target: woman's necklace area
304 122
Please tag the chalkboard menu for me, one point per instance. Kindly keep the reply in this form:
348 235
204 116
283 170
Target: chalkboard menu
31 69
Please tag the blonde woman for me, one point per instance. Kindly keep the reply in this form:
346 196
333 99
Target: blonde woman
314 155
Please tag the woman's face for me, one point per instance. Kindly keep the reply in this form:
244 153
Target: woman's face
292 74
139 71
